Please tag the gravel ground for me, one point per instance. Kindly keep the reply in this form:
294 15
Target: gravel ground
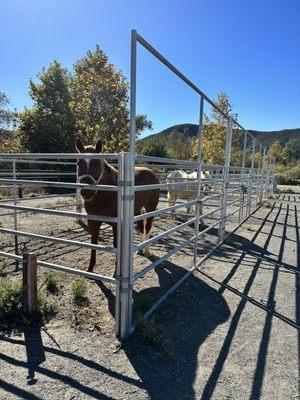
238 341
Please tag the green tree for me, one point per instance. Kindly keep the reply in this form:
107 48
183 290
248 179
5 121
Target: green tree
180 146
153 148
291 151
100 102
49 126
223 102
276 151
214 135
6 116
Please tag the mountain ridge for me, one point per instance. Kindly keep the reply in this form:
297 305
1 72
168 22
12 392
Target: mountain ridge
190 130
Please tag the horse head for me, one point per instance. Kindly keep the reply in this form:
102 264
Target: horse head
90 171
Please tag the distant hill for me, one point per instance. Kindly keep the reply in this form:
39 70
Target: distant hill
190 131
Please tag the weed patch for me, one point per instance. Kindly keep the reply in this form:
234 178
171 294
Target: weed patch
79 289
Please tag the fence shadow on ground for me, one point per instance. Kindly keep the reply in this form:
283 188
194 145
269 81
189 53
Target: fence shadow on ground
168 370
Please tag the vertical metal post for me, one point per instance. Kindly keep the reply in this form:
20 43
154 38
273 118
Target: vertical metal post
29 283
251 177
273 175
118 256
199 207
133 91
263 189
15 212
269 175
242 194
244 150
78 197
127 246
225 180
258 180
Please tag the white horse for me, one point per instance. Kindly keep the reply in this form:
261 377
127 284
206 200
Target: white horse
186 192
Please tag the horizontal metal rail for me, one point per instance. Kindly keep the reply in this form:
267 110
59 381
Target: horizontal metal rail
108 188
161 186
59 156
163 234
20 161
28 198
164 210
154 264
74 271
69 214
166 160
52 173
57 240
61 268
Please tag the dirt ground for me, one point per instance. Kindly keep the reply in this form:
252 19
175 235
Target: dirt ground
238 341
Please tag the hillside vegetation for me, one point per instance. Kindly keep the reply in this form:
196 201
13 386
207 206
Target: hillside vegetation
189 131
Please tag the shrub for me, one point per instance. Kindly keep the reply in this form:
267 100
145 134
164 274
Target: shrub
11 309
148 330
79 289
52 282
46 308
10 300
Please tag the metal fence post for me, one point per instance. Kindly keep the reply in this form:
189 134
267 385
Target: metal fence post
242 193
119 241
221 232
133 90
251 177
15 212
199 206
263 188
269 175
127 225
78 197
127 237
29 283
273 176
258 180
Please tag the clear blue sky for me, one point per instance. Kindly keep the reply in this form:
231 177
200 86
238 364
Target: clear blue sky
250 49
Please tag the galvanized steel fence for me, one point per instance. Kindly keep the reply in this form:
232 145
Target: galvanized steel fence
236 191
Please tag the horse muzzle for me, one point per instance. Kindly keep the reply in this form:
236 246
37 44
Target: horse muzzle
87 194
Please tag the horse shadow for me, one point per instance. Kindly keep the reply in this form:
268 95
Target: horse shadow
167 370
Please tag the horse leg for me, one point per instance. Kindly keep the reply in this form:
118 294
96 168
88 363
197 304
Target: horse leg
188 208
171 202
140 225
94 228
147 228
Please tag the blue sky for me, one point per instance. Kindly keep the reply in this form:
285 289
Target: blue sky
250 49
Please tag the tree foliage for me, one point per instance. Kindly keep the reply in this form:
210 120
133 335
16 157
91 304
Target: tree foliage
6 116
91 102
214 134
275 150
49 126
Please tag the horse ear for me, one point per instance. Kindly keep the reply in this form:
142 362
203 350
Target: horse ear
98 147
79 145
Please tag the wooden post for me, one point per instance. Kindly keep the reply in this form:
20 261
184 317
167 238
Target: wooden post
29 283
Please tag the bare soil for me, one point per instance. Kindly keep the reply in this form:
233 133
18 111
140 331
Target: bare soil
239 341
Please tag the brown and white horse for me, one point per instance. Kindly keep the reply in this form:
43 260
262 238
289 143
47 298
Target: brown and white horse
96 171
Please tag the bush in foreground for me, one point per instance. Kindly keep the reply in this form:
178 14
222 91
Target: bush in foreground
11 309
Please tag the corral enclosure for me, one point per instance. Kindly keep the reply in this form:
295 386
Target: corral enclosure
58 235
